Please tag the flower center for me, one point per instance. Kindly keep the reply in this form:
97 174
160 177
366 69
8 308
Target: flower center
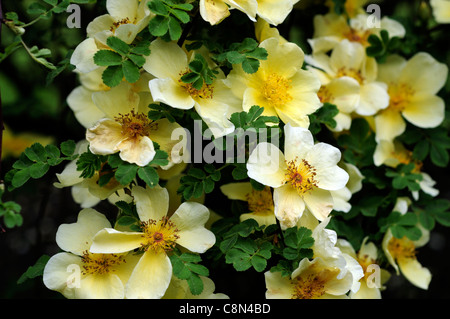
159 235
301 176
100 264
260 202
312 285
117 24
402 248
205 92
135 124
361 36
405 157
351 73
276 90
324 94
365 261
400 95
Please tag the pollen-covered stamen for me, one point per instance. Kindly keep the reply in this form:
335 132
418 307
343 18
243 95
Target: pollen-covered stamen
276 90
401 248
365 261
100 264
312 284
135 124
205 92
399 96
260 202
324 94
301 176
350 73
405 157
354 35
159 235
117 24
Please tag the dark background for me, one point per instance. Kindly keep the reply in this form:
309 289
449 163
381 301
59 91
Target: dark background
31 106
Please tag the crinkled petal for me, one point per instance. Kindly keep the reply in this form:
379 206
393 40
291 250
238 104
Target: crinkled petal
288 206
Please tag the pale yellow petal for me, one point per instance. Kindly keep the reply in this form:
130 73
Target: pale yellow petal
266 164
425 111
274 11
84 109
415 272
77 237
166 60
237 191
190 219
150 278
122 9
83 56
213 11
151 203
171 93
104 137
424 74
319 202
389 124
288 206
107 286
119 100
139 150
278 287
60 276
111 241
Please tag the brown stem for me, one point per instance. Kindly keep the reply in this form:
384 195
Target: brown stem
2 127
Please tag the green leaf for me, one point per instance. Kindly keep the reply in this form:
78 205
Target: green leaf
107 58
158 8
34 271
68 148
112 75
174 29
131 71
139 60
158 26
250 65
36 153
20 177
118 45
126 172
181 15
38 170
195 284
149 175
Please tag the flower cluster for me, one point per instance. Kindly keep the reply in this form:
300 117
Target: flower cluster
324 140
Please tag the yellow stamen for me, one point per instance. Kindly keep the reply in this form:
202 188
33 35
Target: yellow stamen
276 90
400 96
159 236
324 94
354 35
100 264
260 202
311 285
402 248
135 124
117 24
206 91
351 73
301 176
